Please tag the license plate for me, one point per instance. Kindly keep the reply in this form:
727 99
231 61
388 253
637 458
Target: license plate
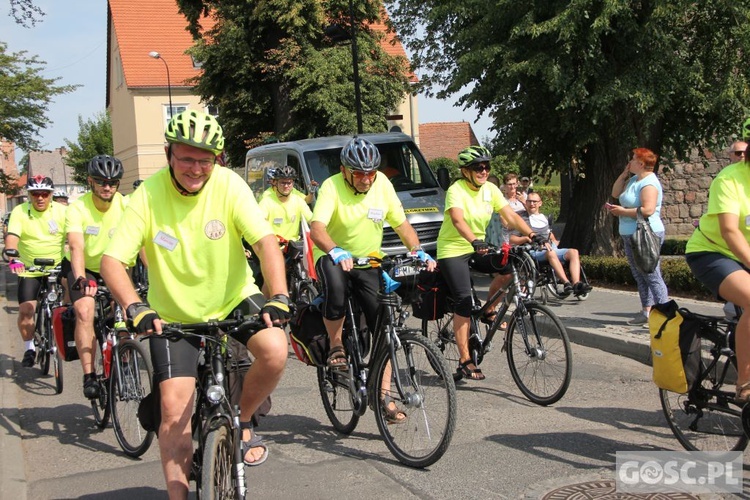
402 271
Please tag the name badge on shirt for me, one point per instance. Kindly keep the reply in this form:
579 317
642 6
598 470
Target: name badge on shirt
375 214
92 230
166 241
487 195
53 228
278 221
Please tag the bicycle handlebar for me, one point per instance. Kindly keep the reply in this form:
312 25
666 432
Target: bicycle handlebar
389 262
176 331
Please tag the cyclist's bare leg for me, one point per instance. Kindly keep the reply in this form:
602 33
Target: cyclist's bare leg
175 441
498 281
269 348
26 319
84 334
736 288
461 331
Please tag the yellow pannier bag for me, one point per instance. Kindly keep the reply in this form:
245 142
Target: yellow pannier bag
675 347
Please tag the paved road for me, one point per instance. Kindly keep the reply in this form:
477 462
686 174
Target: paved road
504 446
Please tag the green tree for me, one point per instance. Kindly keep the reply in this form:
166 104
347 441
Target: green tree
24 97
280 68
577 85
25 13
94 138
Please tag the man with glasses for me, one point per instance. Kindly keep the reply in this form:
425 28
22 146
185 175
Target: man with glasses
348 222
283 205
91 222
554 255
36 230
737 151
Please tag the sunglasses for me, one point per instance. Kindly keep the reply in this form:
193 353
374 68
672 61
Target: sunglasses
105 182
39 194
534 201
361 175
480 168
738 153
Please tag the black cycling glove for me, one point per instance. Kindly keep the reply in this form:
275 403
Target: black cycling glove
142 317
538 239
277 308
83 282
480 246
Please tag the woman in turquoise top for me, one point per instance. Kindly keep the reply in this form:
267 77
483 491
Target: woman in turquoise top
639 188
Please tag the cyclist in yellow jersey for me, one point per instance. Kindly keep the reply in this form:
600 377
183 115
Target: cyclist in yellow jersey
284 206
191 218
36 230
348 222
91 222
469 204
718 253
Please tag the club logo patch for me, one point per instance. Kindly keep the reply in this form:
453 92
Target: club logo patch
215 229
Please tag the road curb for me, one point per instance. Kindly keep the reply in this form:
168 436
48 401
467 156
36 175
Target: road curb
12 464
636 349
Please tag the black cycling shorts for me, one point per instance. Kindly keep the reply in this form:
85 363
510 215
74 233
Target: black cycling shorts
28 288
78 294
334 283
712 268
456 272
180 359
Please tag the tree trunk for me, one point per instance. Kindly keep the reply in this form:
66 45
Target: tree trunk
589 227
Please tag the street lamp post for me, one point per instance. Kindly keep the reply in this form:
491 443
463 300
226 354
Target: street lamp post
156 55
355 64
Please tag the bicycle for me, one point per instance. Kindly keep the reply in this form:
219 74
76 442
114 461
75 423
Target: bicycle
218 463
536 342
419 383
123 370
707 418
301 286
49 296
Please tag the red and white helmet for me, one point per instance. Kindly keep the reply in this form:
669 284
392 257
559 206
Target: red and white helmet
40 183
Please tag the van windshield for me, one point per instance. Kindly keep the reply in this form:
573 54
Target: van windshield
401 162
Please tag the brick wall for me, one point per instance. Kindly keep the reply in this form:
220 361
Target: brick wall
686 191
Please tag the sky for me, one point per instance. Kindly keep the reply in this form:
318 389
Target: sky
72 40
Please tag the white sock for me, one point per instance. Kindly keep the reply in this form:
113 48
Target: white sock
29 345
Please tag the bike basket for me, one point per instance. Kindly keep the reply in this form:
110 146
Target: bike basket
64 326
308 336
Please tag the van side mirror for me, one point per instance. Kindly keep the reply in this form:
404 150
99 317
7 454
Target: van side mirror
443 178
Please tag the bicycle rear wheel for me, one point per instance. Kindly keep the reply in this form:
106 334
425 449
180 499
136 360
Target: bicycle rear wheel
337 401
429 401
543 370
44 340
125 395
100 406
704 421
440 332
217 481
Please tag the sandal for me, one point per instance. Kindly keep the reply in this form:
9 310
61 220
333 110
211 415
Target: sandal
255 442
392 414
743 394
488 317
468 373
337 359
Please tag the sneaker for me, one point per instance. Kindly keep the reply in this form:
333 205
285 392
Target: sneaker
638 319
567 289
29 357
581 288
90 387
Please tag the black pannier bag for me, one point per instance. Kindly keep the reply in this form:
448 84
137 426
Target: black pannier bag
431 296
308 334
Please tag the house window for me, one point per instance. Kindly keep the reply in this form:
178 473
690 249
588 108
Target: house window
176 109
196 64
212 110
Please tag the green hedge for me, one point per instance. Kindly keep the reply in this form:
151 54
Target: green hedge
675 271
673 247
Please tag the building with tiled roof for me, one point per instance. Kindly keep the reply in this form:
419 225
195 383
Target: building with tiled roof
445 139
138 87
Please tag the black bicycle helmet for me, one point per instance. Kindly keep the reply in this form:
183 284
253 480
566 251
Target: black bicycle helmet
105 167
40 183
360 154
285 172
472 155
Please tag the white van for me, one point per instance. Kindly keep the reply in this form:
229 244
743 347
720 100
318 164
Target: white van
317 159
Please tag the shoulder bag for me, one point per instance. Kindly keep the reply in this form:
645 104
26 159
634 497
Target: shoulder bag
646 245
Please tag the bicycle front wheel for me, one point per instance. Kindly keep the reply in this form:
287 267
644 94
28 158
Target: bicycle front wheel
427 401
337 400
703 421
58 371
217 481
125 394
44 339
100 405
440 332
539 354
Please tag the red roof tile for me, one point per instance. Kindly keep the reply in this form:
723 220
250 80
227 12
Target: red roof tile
445 139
